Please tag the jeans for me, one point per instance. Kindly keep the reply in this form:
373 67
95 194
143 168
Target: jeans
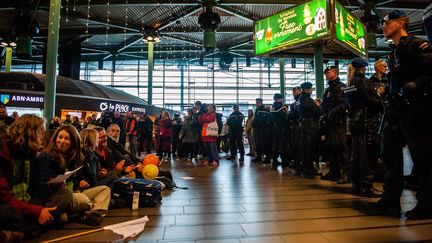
212 151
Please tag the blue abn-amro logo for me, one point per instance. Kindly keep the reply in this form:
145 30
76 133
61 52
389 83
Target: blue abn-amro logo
5 98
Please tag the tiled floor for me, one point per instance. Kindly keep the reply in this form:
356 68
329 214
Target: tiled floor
256 203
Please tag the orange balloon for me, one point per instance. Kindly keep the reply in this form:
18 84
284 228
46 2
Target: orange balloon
151 159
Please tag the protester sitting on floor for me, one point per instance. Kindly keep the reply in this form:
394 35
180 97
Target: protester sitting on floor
55 160
125 161
89 198
107 172
18 218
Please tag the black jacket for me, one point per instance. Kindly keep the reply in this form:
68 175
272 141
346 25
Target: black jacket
334 104
279 115
411 61
235 121
307 108
262 118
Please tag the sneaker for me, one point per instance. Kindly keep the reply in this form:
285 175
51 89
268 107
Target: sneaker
92 218
7 236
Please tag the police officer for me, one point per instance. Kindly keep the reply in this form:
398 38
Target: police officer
279 118
309 112
235 124
364 109
408 118
294 128
262 126
334 108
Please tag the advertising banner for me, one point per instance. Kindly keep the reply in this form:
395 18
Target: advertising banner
294 26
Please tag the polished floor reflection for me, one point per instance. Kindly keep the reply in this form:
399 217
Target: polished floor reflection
252 202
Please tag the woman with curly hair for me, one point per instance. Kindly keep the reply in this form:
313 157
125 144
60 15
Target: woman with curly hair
19 217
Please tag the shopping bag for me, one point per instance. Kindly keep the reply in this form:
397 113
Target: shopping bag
210 129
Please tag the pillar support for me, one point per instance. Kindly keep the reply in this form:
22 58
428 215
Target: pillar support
51 62
150 73
319 70
282 78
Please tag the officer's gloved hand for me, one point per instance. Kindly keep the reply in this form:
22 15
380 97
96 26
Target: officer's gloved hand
408 89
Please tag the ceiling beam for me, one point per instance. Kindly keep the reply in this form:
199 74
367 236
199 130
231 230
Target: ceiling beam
236 13
73 31
179 16
130 42
182 40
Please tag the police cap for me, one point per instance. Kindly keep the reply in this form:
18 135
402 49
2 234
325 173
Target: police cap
296 88
235 106
306 85
176 114
395 14
259 99
277 96
359 62
329 68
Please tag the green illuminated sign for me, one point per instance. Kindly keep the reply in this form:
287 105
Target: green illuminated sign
291 27
349 30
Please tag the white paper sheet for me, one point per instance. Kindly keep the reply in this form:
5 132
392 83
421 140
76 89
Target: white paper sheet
63 178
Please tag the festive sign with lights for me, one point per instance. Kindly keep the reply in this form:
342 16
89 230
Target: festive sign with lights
349 30
298 27
294 26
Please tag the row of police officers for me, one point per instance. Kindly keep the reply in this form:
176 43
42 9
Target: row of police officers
391 120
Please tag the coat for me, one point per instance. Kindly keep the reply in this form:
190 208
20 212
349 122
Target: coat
207 118
189 130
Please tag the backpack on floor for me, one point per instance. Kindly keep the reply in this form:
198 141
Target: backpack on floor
149 191
167 179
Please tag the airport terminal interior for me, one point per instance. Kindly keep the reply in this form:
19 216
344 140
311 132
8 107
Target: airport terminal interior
158 70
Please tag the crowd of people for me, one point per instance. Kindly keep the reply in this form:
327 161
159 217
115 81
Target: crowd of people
354 127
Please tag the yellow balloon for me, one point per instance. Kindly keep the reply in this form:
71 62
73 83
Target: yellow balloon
150 172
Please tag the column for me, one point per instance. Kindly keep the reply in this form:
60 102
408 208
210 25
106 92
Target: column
282 77
319 70
51 63
150 74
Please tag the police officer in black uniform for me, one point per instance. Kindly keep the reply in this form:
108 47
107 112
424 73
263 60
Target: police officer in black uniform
364 109
235 124
310 113
262 126
334 108
408 118
279 138
294 129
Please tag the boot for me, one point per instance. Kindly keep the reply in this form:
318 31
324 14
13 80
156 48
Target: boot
241 157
